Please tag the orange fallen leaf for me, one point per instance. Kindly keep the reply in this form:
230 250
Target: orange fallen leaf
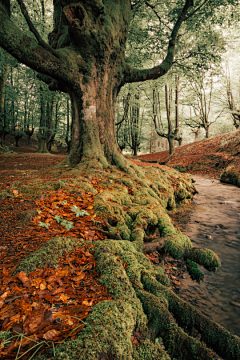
134 340
42 286
63 297
51 334
3 297
177 282
79 277
87 302
58 291
22 276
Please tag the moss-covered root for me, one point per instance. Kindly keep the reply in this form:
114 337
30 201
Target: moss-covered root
205 257
177 343
214 335
179 246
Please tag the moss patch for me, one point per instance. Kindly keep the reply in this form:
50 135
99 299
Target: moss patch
48 254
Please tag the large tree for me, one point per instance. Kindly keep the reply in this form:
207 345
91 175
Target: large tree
86 58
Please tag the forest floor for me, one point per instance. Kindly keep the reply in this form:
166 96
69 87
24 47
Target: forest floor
43 293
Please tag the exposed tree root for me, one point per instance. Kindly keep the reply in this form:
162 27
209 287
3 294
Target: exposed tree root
135 208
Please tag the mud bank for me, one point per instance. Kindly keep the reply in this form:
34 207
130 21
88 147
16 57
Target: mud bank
214 223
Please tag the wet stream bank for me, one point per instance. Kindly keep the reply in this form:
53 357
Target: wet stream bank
214 223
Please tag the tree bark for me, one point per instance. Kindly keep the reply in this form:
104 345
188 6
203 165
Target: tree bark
171 145
93 125
207 132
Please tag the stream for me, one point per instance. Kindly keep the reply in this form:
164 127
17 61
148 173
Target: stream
214 223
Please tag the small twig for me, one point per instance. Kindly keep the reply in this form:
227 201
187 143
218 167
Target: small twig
102 231
16 297
138 286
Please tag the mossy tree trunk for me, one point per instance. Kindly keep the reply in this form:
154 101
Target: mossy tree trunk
86 58
93 125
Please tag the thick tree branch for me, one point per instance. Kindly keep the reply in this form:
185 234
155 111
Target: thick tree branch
26 50
135 75
23 47
34 30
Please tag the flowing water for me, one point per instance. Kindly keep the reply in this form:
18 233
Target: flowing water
215 224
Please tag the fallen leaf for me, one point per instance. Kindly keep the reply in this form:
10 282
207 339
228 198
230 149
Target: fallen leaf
134 340
42 286
87 302
51 334
176 282
79 277
58 291
22 276
63 297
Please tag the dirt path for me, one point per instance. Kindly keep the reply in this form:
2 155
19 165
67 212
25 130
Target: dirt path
214 223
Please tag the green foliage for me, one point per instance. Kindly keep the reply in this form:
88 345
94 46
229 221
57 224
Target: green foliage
193 271
42 224
79 212
61 183
67 224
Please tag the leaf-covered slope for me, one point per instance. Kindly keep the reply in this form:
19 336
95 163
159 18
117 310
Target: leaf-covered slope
219 157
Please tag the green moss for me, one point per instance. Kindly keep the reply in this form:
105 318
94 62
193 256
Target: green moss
48 254
129 183
107 333
193 271
138 235
125 232
5 335
117 251
231 174
165 225
149 351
